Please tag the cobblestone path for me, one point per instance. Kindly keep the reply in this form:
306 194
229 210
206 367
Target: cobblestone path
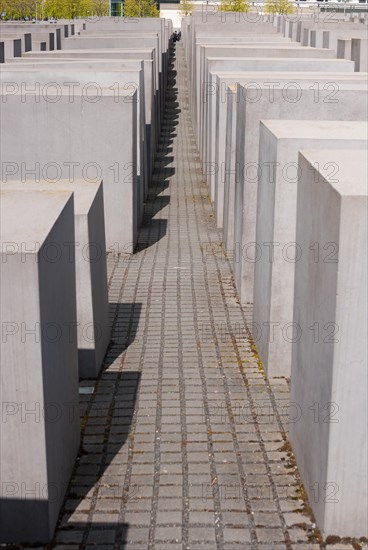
184 441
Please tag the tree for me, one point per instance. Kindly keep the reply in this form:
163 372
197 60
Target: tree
282 7
186 7
100 7
59 9
140 8
235 5
18 9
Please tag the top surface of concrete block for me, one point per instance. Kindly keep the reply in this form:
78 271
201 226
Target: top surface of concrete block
88 52
310 129
84 191
100 65
243 74
352 175
28 218
209 39
106 34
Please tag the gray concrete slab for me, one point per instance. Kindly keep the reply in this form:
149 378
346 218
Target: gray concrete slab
129 40
329 366
258 64
227 176
347 104
93 330
359 53
273 302
148 56
259 50
211 153
215 40
90 77
90 140
39 370
216 121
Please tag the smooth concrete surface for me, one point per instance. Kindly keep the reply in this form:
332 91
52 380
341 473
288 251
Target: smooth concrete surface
39 369
268 50
61 30
273 302
142 26
348 103
93 328
216 114
329 365
228 176
90 76
330 38
359 53
196 67
195 72
25 37
326 32
91 141
107 59
128 40
6 50
213 65
233 36
343 49
152 104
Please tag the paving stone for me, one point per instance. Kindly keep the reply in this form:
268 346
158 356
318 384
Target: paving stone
270 535
168 534
98 536
205 534
70 536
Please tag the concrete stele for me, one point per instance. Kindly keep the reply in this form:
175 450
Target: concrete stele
329 364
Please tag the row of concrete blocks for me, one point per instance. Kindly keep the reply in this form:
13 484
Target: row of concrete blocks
282 135
348 40
16 39
79 131
112 131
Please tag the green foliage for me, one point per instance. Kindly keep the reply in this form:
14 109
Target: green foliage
59 9
186 7
235 5
17 9
140 8
282 7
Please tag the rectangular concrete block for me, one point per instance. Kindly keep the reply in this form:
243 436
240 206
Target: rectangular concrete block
347 104
343 48
93 324
217 142
217 109
108 59
329 366
228 175
92 75
273 302
226 40
359 54
24 37
213 65
39 369
91 141
330 37
265 50
36 31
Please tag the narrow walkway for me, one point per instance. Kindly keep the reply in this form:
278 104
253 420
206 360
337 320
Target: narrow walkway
184 443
